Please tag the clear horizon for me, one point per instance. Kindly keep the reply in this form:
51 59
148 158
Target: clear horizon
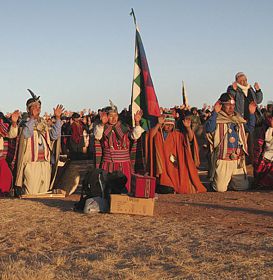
80 53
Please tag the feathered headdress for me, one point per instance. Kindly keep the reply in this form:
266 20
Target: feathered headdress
34 98
111 108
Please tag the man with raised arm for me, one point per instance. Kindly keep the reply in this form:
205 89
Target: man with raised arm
226 133
38 150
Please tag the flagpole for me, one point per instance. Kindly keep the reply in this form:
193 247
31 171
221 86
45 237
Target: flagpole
132 13
143 93
184 95
182 91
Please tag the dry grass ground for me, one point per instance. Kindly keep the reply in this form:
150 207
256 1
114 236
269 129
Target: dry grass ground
203 236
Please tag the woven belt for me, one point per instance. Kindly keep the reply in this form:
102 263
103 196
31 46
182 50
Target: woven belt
116 155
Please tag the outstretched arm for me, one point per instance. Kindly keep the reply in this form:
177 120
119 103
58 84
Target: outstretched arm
13 130
137 130
187 124
55 131
29 127
232 90
154 130
211 122
250 125
258 93
98 129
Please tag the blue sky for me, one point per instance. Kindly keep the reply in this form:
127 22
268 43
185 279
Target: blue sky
80 53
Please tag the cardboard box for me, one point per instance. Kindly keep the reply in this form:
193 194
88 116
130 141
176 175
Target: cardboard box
125 204
143 186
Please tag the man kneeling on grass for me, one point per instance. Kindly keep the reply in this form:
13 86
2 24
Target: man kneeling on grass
226 133
172 156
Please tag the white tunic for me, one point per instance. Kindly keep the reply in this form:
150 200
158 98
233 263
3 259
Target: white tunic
136 133
268 154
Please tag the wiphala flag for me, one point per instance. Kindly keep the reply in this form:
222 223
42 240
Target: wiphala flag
143 93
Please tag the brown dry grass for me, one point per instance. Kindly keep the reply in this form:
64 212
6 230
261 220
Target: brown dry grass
203 236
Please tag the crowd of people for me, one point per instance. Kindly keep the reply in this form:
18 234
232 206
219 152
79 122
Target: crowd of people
235 132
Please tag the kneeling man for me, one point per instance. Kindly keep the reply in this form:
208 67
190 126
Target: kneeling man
227 135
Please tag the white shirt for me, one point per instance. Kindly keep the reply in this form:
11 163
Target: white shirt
13 131
136 133
268 154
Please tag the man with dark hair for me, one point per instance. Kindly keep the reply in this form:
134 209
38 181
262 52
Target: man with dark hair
226 133
195 120
172 156
269 108
76 139
114 142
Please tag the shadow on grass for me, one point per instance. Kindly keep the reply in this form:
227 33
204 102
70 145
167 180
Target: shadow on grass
230 208
62 204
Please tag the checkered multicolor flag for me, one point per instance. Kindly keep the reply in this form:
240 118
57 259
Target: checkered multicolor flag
143 93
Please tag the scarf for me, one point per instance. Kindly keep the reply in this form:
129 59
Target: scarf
41 126
219 138
222 117
244 88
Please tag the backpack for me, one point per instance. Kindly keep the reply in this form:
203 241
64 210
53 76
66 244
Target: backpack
93 185
116 183
96 189
98 203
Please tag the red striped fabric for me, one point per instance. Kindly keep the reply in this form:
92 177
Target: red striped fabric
4 152
3 128
32 149
111 155
221 131
239 153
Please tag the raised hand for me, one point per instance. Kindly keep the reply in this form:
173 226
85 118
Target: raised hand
187 122
257 86
252 107
15 116
58 111
235 86
138 115
103 118
217 106
161 119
